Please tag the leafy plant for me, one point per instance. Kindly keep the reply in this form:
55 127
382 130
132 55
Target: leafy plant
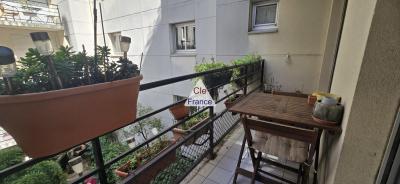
10 156
239 72
145 126
213 79
46 172
194 120
74 69
174 171
111 149
209 66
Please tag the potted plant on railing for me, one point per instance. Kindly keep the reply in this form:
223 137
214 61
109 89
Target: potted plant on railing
142 157
143 129
240 72
214 79
55 95
179 111
232 100
190 125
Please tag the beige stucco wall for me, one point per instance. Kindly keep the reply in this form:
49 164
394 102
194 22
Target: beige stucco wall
303 26
354 37
367 76
20 41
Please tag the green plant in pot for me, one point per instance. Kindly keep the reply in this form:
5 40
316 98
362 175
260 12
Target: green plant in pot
190 125
240 72
214 79
59 93
144 129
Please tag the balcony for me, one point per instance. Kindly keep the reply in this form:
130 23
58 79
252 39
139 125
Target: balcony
176 160
30 14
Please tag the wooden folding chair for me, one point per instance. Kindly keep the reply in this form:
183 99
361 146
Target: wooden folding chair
259 135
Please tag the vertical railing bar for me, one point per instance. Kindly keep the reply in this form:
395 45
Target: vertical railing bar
211 126
245 80
98 157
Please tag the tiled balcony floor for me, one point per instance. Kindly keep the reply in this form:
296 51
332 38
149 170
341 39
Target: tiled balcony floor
221 169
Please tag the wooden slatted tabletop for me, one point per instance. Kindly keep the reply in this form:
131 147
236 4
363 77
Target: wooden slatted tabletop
280 109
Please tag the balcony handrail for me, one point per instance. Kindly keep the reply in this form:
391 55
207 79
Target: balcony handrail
21 166
37 13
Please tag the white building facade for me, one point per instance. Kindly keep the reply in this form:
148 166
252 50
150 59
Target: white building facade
175 35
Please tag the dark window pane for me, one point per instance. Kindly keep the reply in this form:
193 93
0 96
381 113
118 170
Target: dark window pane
266 14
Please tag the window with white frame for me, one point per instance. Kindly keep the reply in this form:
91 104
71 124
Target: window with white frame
185 37
115 42
264 15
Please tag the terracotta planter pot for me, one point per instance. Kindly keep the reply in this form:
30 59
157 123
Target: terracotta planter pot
50 122
150 172
179 111
229 103
123 170
180 133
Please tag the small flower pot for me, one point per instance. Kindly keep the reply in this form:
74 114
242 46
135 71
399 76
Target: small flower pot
179 111
50 122
180 133
216 79
230 102
123 170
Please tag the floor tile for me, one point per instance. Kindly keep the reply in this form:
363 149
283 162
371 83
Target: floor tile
220 176
206 169
207 181
198 179
243 180
234 151
227 163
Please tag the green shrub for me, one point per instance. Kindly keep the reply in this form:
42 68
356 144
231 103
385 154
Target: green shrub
175 170
46 172
10 156
194 120
209 66
250 58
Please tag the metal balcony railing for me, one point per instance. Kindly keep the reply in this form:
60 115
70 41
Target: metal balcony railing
187 155
33 12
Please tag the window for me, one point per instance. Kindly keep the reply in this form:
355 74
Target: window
264 16
185 37
115 42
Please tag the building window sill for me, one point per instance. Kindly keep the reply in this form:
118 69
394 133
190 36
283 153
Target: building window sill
267 30
184 54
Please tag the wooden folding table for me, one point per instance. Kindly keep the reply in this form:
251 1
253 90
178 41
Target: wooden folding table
288 109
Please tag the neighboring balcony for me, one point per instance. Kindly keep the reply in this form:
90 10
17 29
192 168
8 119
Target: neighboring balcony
30 14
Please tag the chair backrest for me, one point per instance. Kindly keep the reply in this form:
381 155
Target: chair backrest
291 132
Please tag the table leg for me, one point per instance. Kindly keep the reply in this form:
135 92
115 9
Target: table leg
315 180
240 159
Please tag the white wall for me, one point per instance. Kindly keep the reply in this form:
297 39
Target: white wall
77 18
354 38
